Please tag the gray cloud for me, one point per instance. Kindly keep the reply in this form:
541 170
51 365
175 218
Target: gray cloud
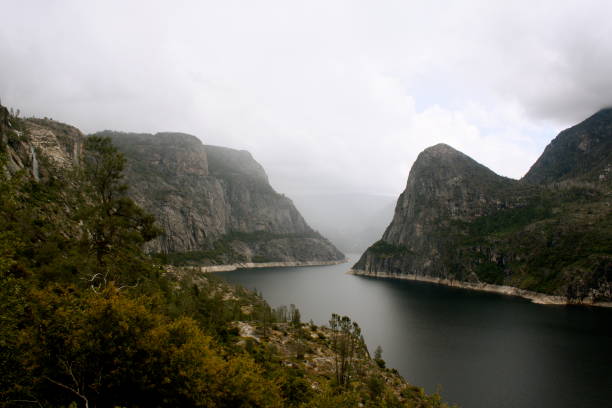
329 96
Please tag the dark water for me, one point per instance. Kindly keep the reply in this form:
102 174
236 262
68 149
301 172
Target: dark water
483 350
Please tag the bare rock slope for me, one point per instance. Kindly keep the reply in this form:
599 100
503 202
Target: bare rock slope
215 204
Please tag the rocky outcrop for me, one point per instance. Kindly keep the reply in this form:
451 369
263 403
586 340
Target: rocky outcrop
550 233
215 203
444 187
42 147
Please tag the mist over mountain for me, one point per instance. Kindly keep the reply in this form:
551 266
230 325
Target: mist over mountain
152 149
91 318
351 221
213 204
327 97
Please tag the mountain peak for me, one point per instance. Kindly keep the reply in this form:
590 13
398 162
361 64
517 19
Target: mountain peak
442 161
225 162
442 149
582 151
457 221
442 153
177 139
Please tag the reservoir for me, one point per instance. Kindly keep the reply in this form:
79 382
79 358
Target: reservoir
481 350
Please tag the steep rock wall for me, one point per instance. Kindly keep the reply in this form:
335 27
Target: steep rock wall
212 202
215 200
42 147
549 233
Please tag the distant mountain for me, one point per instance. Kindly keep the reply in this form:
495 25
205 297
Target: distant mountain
352 221
459 223
214 204
582 152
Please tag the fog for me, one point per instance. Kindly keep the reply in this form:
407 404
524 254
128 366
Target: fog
352 222
331 97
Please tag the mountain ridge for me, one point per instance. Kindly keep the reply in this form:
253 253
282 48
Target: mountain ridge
224 210
581 151
549 233
214 204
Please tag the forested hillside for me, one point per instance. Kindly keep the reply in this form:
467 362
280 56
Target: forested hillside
549 233
87 319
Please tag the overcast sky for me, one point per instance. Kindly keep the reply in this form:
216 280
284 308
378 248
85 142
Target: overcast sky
330 96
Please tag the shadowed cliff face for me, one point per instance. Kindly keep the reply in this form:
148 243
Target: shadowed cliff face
445 184
550 233
444 187
583 151
215 201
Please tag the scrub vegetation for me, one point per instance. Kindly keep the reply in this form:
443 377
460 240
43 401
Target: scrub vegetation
87 319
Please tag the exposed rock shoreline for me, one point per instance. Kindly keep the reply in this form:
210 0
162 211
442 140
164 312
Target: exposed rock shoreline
252 265
535 297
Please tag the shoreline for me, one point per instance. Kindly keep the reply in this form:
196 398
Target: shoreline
256 265
535 297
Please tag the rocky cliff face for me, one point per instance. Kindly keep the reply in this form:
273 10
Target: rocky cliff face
581 152
444 187
549 233
39 146
215 204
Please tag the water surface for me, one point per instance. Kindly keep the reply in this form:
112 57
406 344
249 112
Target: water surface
482 350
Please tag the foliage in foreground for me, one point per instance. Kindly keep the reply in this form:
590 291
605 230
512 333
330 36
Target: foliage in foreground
87 320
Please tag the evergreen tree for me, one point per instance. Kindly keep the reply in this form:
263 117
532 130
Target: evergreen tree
115 227
348 346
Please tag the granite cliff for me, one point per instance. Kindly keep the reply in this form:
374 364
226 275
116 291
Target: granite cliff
40 146
214 204
550 233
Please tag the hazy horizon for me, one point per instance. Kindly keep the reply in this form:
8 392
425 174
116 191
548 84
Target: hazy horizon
330 97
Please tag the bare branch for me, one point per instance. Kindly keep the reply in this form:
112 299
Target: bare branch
28 402
129 286
76 392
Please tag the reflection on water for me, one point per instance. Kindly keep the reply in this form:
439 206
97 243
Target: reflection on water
483 349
